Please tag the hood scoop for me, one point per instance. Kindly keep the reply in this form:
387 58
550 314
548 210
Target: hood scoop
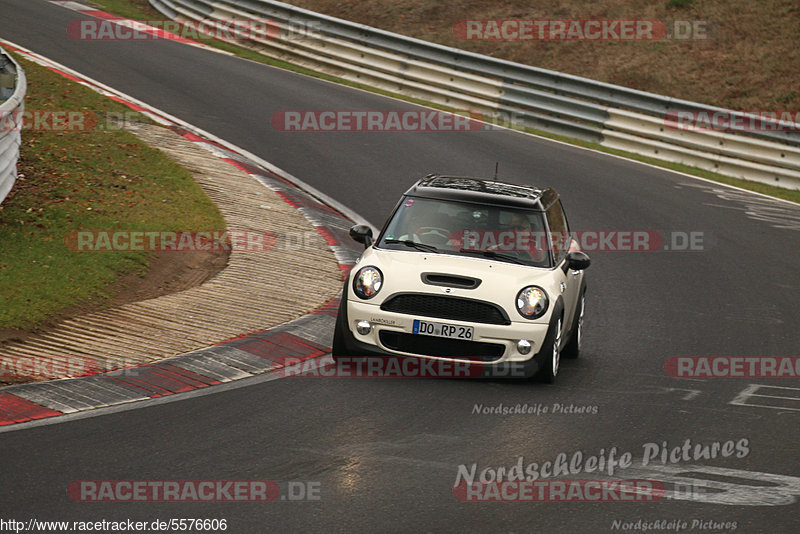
450 280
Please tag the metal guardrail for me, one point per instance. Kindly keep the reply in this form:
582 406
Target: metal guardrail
614 116
13 86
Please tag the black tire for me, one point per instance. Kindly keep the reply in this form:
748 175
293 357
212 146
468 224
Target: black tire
338 347
551 354
573 348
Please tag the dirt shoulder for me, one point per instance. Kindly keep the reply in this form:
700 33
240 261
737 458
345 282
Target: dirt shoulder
166 273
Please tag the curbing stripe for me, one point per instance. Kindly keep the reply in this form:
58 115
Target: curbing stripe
66 393
97 394
45 399
281 344
160 372
240 359
151 389
14 409
204 380
119 389
223 373
318 328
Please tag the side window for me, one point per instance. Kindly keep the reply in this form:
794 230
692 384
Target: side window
559 231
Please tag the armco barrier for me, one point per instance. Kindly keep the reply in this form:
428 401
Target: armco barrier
615 116
12 103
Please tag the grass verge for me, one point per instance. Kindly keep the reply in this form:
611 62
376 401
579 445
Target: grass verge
96 179
142 10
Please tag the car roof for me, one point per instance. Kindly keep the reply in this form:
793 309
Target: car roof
482 191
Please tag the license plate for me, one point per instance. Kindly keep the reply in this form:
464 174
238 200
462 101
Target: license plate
442 330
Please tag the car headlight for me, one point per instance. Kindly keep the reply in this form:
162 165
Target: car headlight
532 302
367 282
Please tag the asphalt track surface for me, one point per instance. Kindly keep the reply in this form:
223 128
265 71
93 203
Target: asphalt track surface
386 452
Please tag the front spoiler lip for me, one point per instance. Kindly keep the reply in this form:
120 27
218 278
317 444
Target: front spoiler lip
528 367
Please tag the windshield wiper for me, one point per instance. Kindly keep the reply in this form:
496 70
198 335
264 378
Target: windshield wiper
412 244
494 255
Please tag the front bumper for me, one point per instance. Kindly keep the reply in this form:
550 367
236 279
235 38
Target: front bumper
493 349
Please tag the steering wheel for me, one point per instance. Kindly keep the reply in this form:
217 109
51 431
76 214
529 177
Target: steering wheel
425 234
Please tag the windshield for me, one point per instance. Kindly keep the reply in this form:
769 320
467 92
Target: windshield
465 229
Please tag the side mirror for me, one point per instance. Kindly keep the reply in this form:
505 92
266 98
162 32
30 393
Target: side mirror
362 233
577 261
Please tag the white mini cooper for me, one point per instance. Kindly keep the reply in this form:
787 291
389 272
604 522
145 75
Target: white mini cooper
468 271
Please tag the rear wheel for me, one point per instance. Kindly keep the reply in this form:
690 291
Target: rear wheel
573 348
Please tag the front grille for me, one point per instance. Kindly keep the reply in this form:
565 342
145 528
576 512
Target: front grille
443 347
455 308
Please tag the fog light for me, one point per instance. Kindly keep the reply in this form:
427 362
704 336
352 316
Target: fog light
523 346
363 327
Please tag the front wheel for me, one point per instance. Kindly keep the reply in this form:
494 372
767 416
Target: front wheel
551 354
573 348
339 347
